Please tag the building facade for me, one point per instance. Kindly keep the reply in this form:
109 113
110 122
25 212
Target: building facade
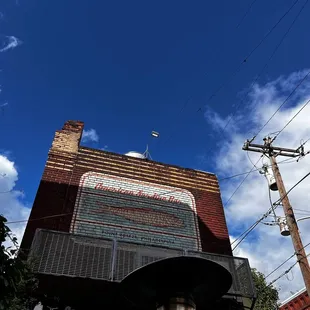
92 206
298 301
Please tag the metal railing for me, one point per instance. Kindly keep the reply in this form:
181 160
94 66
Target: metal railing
58 253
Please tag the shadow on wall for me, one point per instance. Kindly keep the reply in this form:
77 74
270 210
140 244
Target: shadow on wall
115 215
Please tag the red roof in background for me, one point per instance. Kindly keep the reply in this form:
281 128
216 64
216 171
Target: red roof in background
298 301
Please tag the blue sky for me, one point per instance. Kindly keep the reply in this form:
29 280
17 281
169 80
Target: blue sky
126 68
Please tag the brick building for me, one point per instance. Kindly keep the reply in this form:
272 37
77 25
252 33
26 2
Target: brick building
298 301
98 215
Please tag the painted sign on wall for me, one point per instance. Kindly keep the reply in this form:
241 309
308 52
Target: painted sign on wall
135 211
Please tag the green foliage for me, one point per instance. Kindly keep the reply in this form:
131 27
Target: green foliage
267 296
16 279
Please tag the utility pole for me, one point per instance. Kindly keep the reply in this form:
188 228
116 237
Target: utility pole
272 152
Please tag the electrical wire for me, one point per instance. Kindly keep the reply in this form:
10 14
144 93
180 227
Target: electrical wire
283 274
240 184
270 200
306 211
273 271
281 198
200 109
292 118
271 30
265 215
246 13
39 219
252 51
303 143
265 65
274 206
288 277
282 104
250 229
254 165
213 94
246 233
289 269
247 174
286 161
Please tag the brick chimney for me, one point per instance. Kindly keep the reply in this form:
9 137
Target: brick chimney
67 140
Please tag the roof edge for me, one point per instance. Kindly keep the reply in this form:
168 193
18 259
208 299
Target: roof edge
287 300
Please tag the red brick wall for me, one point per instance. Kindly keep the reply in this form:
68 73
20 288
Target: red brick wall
67 162
300 302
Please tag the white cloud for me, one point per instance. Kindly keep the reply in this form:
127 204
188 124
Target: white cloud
9 42
265 247
90 136
11 200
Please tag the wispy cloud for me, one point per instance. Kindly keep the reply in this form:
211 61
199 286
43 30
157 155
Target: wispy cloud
90 135
9 42
265 247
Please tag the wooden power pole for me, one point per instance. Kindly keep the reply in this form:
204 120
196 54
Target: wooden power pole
272 152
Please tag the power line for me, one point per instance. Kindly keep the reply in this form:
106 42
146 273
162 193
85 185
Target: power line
246 13
281 198
250 229
40 218
267 185
232 195
269 59
283 274
286 161
270 31
261 72
222 85
303 143
251 52
292 118
254 165
283 103
199 109
286 271
241 183
246 233
306 211
273 271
